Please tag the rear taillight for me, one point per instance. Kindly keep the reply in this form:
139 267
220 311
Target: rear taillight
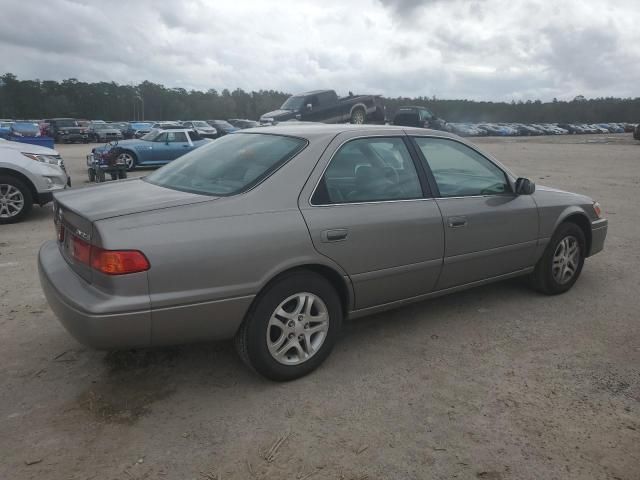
118 262
109 262
80 250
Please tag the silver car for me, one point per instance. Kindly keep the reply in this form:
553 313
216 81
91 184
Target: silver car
273 236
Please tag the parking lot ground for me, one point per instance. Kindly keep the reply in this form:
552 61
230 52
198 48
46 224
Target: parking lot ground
494 383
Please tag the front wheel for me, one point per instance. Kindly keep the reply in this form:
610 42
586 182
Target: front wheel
291 328
15 200
562 262
128 159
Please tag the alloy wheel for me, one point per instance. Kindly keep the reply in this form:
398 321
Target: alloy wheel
358 117
297 328
128 160
11 201
566 259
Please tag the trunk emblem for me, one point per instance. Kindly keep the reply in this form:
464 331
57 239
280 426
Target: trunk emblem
83 235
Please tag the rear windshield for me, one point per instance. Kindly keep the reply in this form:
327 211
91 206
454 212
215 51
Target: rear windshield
228 166
406 118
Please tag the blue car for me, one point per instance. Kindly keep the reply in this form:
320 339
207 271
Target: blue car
157 147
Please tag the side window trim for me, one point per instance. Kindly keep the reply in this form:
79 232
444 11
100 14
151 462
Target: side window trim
427 192
432 179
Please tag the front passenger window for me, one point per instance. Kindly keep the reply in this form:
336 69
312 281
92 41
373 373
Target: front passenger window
369 170
460 171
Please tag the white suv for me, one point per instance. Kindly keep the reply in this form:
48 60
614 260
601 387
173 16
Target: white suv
28 174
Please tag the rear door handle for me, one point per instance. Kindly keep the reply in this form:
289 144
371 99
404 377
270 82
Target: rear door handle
334 235
457 222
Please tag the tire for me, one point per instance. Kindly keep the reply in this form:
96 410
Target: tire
551 275
288 295
358 116
114 175
15 200
122 174
100 177
92 174
129 159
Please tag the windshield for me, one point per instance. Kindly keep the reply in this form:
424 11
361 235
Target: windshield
201 124
293 103
25 127
101 126
151 135
66 123
230 165
141 126
223 124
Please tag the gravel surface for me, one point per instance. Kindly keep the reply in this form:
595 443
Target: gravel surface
494 383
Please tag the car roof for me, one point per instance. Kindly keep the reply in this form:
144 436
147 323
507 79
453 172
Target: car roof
311 92
311 131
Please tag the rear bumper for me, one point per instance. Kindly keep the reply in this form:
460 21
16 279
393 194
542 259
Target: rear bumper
598 235
84 310
104 321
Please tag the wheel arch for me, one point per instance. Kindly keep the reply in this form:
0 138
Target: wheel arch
23 178
340 282
580 219
357 106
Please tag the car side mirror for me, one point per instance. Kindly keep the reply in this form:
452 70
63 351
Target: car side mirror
524 186
309 106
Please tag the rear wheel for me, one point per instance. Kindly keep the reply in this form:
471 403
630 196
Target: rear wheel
562 261
358 116
92 174
291 328
15 200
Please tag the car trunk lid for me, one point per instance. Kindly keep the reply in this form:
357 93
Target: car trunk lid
114 199
75 212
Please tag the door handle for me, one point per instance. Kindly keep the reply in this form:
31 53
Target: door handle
457 222
334 235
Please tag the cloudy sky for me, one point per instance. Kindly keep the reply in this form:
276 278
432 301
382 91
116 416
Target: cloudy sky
477 49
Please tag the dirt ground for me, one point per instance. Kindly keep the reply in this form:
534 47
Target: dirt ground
494 383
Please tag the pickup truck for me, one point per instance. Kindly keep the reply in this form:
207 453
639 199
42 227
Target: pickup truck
325 106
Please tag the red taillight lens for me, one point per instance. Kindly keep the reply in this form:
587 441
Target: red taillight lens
118 262
81 250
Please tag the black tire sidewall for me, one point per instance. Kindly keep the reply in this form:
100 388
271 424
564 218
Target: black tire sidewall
255 330
26 194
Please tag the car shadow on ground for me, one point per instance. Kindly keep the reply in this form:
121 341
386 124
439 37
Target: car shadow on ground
126 384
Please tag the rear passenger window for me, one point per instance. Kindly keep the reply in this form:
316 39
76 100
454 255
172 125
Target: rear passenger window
368 170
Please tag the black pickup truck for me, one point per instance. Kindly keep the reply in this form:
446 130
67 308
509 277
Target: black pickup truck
67 130
325 106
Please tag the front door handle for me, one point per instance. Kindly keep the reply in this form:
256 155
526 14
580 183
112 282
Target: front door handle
334 235
457 222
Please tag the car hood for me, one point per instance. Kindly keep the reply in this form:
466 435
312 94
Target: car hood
541 189
131 143
109 130
115 199
277 114
28 148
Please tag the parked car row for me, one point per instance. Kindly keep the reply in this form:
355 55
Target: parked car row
521 129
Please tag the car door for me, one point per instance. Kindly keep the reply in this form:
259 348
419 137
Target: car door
489 230
368 209
173 145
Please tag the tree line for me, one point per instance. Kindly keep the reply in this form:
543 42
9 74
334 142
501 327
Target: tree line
35 99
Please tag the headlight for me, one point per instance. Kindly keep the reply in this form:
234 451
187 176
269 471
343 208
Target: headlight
51 159
597 209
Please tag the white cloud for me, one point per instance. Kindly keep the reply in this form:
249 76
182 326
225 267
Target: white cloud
480 49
